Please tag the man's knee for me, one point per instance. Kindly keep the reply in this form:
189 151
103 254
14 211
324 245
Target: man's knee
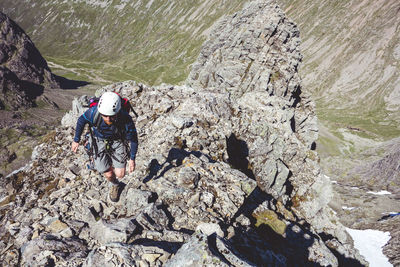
108 173
119 172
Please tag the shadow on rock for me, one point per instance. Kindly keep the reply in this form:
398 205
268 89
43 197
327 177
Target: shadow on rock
342 259
255 199
174 159
212 244
257 243
238 152
32 90
265 242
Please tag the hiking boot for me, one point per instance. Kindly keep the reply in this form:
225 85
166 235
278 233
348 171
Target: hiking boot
114 193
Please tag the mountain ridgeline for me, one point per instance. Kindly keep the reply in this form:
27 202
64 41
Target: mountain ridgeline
227 172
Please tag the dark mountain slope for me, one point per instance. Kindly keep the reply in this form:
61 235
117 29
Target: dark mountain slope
24 73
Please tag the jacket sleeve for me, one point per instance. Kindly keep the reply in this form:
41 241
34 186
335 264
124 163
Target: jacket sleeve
131 135
80 125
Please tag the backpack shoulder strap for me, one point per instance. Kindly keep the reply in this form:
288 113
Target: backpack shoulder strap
96 118
94 122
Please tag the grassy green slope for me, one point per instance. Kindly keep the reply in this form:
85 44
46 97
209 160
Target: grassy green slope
113 40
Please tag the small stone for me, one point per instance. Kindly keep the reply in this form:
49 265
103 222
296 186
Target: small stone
209 229
69 175
193 200
181 123
207 198
62 182
188 177
14 228
35 234
67 233
142 263
57 226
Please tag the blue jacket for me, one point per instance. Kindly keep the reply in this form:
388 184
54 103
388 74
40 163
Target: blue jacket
122 129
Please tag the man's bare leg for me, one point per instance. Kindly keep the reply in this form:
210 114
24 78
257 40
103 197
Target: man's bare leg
119 173
110 175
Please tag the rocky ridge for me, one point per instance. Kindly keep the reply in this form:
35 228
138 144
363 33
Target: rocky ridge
23 71
227 172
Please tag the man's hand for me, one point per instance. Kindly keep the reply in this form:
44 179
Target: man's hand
74 146
132 165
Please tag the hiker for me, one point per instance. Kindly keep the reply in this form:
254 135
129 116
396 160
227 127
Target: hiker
112 129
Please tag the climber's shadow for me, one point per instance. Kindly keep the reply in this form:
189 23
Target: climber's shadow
174 159
237 151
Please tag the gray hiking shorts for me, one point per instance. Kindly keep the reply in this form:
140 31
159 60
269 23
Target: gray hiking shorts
117 157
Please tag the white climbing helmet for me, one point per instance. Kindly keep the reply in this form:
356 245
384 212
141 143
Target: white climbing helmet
109 104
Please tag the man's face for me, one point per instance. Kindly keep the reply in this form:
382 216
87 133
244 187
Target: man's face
108 119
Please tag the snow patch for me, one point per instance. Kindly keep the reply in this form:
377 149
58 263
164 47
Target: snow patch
370 242
382 192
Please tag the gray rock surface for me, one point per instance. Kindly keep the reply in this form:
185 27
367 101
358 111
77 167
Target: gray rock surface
232 148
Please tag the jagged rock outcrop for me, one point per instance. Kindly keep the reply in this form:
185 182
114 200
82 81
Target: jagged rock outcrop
226 171
23 71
